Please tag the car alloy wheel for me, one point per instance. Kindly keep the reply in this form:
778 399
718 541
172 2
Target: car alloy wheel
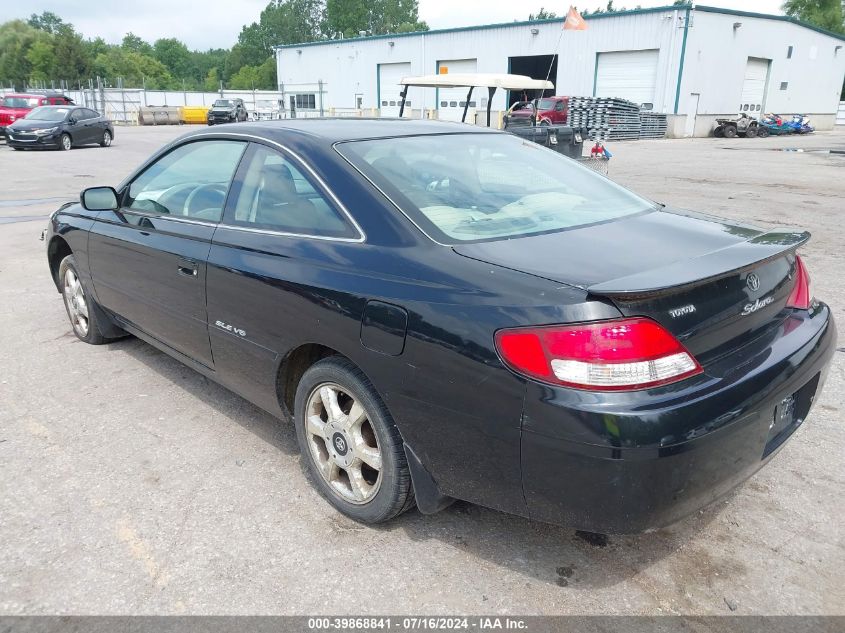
66 142
343 443
77 306
106 139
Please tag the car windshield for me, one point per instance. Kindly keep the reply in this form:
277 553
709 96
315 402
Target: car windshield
522 105
21 102
473 187
222 103
546 104
48 114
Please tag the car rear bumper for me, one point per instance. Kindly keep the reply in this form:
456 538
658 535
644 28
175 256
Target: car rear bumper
598 463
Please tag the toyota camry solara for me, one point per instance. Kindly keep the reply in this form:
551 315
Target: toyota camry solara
449 312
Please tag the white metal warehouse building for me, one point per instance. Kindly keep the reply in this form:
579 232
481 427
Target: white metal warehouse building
691 64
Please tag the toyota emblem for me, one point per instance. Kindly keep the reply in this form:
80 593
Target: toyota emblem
753 282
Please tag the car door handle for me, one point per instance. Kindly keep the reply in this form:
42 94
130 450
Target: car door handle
187 268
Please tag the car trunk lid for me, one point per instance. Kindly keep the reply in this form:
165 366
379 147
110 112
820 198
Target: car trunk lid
713 284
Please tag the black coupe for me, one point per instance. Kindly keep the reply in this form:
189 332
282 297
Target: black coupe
449 312
60 127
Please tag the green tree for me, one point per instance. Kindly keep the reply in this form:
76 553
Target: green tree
212 81
135 69
73 60
542 14
132 42
16 37
41 56
349 18
176 57
48 22
827 14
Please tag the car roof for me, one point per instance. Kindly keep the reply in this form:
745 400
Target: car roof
334 130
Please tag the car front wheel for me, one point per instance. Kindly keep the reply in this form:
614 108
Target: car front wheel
352 450
85 317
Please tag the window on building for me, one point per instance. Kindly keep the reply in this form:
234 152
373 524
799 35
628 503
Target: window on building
784 85
789 53
306 102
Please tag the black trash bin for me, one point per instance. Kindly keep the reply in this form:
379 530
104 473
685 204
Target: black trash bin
561 138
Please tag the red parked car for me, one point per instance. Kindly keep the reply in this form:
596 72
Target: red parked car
17 106
550 111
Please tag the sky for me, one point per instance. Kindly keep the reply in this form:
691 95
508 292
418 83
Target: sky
216 23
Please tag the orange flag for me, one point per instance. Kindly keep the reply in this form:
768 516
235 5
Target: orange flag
574 21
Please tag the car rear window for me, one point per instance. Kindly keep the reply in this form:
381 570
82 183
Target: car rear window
21 102
478 187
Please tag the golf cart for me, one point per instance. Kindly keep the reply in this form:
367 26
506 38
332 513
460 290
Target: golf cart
562 139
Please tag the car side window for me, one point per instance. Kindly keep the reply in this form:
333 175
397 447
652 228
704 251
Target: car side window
191 181
559 106
90 114
276 195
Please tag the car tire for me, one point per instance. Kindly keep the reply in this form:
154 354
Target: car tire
334 446
65 142
86 317
18 149
106 140
730 131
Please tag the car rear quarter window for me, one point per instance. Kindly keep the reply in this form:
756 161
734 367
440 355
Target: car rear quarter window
191 181
483 186
274 194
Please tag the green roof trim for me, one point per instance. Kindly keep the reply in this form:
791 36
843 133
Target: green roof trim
596 16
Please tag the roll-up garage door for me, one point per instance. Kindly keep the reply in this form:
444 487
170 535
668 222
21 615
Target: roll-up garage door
628 75
450 101
754 86
390 97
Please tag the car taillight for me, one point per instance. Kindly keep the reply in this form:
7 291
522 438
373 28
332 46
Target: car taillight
802 294
623 354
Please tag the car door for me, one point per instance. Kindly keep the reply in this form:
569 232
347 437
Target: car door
559 114
94 125
281 242
148 259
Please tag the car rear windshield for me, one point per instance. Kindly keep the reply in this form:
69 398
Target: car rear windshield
46 113
21 102
478 187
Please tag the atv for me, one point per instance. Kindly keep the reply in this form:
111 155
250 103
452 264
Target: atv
743 125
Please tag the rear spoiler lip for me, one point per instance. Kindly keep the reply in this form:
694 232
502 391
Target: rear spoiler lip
692 272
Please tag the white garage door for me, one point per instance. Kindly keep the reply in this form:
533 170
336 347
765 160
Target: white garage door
629 75
450 101
754 86
390 97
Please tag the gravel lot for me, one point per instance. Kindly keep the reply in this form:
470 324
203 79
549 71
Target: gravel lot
132 485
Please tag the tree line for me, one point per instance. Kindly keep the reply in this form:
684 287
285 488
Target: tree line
47 51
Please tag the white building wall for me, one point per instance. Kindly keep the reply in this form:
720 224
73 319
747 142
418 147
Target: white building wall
716 57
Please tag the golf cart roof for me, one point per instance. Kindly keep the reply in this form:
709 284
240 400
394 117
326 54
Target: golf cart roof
486 80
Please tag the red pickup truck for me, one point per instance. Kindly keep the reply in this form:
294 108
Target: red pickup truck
550 111
17 106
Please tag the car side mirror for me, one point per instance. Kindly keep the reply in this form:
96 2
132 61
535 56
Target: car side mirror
99 199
